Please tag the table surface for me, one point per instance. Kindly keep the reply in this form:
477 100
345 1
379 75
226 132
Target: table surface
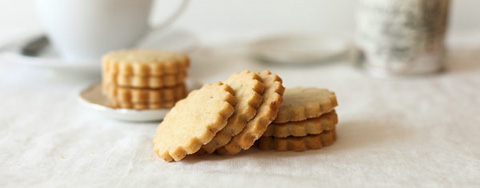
401 132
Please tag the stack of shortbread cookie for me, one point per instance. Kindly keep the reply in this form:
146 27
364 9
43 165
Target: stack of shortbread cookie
230 116
305 121
144 79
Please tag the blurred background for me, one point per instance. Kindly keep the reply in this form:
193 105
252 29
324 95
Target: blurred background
394 131
206 18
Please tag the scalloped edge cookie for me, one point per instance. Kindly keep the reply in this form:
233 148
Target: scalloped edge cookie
145 62
303 103
298 144
194 121
140 105
266 113
325 122
248 89
137 95
150 82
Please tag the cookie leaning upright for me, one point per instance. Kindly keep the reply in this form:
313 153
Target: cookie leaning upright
194 121
248 89
266 113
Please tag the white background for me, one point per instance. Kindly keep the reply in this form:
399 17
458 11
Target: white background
405 132
207 17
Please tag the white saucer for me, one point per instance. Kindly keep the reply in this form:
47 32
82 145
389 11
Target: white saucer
93 99
48 58
299 48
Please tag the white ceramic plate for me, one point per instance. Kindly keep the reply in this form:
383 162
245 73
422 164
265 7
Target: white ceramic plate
298 48
93 99
48 58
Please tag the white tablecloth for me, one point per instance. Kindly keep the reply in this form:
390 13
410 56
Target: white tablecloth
404 132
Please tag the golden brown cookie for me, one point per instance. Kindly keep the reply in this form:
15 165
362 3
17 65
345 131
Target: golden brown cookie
297 143
325 122
151 82
303 103
136 95
266 113
248 89
140 105
194 121
143 62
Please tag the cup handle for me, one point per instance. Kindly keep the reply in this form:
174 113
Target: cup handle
172 17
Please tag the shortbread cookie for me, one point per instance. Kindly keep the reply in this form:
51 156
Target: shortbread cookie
194 121
142 62
304 103
134 95
140 105
248 89
266 113
297 143
325 122
152 82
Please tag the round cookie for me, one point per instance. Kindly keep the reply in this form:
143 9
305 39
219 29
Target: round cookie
266 113
152 82
297 143
303 103
140 105
326 122
137 95
194 121
144 62
248 89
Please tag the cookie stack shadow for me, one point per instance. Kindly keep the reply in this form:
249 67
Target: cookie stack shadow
144 79
247 109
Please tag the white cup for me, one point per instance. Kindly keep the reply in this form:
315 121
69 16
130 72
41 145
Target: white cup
83 30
